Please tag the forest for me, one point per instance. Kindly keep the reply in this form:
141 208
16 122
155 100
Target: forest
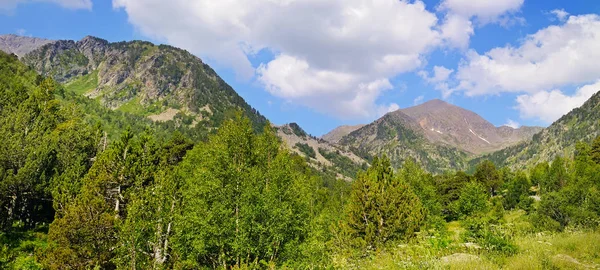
81 192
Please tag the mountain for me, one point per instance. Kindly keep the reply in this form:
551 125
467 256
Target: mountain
320 153
437 134
559 139
338 133
463 129
21 45
400 137
159 82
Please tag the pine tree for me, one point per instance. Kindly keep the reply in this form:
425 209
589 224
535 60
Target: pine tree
595 150
87 234
382 207
517 190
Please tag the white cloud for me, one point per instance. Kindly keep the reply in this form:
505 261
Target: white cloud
513 124
457 31
8 5
439 79
440 74
485 11
333 56
555 56
561 14
457 27
418 100
551 105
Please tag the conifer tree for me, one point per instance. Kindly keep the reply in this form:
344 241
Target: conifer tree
382 207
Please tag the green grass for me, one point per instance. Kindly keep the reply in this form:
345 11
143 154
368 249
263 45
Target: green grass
84 84
565 250
134 106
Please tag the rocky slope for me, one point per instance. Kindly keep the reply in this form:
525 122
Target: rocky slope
580 125
139 77
21 45
320 153
338 133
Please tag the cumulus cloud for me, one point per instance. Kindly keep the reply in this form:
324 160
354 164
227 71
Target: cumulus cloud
511 123
555 56
561 14
457 27
8 5
333 56
457 31
485 11
439 79
551 105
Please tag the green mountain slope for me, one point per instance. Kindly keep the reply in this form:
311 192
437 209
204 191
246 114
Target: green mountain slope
158 82
580 125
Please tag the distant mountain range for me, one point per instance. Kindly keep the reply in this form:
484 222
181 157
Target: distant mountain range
164 83
439 135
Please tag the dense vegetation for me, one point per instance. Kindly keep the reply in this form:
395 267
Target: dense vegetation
85 187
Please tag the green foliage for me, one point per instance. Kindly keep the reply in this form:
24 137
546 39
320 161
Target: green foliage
39 149
343 164
517 191
539 173
473 200
87 234
423 186
84 84
487 174
595 150
382 207
297 130
449 188
306 149
492 237
243 201
557 177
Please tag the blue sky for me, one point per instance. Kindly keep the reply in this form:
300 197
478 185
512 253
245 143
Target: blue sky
327 63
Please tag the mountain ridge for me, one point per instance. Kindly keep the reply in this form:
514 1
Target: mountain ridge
158 81
20 45
582 124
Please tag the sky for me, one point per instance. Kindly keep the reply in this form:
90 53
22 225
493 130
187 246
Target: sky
323 64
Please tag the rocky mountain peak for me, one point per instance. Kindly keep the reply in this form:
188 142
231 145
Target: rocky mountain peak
20 45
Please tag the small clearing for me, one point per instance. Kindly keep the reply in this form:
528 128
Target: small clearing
165 116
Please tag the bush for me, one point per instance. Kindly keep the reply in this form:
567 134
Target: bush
492 237
473 200
306 149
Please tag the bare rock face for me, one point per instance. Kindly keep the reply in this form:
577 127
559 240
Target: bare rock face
338 133
329 156
19 45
